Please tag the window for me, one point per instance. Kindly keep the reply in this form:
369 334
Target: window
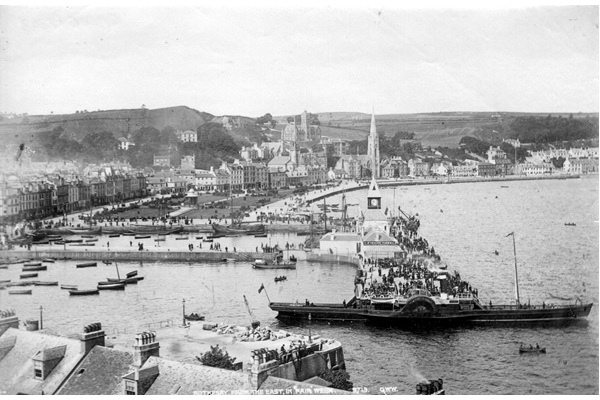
38 373
130 388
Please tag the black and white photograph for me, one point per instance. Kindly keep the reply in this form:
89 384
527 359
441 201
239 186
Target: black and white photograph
313 198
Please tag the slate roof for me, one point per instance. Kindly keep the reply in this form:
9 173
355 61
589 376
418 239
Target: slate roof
100 373
185 378
16 367
275 383
279 160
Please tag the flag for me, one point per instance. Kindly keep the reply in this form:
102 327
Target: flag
510 234
262 286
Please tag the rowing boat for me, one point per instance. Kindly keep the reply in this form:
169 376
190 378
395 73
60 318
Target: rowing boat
20 291
69 287
85 265
83 292
38 268
110 286
46 283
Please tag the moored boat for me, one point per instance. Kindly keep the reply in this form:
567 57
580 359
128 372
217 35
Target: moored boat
194 317
36 264
83 292
48 260
26 291
106 262
532 349
36 268
132 280
114 235
264 264
132 273
93 231
69 287
86 265
25 276
250 230
110 286
142 236
46 283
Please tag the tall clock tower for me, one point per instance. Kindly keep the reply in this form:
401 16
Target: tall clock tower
373 196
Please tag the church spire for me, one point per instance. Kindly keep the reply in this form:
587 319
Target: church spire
373 130
373 147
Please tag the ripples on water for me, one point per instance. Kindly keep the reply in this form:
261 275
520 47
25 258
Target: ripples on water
464 222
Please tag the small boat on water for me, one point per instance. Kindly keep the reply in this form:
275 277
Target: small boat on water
37 268
73 240
86 265
115 235
280 278
207 240
264 264
37 264
194 317
29 291
182 238
69 287
91 240
24 283
46 283
142 236
107 262
3 266
111 286
83 244
48 260
87 236
133 280
93 231
86 292
215 236
132 273
160 240
570 224
532 349
24 276
128 234
261 236
199 237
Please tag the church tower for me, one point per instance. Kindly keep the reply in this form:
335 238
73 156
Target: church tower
373 148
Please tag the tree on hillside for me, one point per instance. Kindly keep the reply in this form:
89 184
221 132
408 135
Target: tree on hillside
101 146
264 119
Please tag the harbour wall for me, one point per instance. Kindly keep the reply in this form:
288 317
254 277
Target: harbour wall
440 181
131 255
333 259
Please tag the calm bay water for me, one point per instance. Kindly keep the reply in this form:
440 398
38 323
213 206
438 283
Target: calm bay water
464 222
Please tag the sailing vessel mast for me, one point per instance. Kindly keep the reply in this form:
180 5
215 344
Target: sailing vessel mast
516 274
325 213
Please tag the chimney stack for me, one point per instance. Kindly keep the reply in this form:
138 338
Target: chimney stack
144 347
8 319
93 335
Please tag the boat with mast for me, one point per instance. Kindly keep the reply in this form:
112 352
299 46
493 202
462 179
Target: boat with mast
419 306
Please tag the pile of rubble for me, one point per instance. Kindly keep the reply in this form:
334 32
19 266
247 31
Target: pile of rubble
246 333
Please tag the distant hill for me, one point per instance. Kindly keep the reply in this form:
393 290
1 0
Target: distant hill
118 122
432 129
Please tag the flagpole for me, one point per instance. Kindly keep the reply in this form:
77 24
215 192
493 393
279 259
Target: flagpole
267 294
516 274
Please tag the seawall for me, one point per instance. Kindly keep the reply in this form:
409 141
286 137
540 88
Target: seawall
131 255
444 181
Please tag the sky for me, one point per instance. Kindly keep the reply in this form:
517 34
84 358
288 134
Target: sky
282 60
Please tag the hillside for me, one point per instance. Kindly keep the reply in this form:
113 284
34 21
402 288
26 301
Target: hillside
118 122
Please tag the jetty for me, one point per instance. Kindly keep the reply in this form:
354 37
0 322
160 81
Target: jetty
189 256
